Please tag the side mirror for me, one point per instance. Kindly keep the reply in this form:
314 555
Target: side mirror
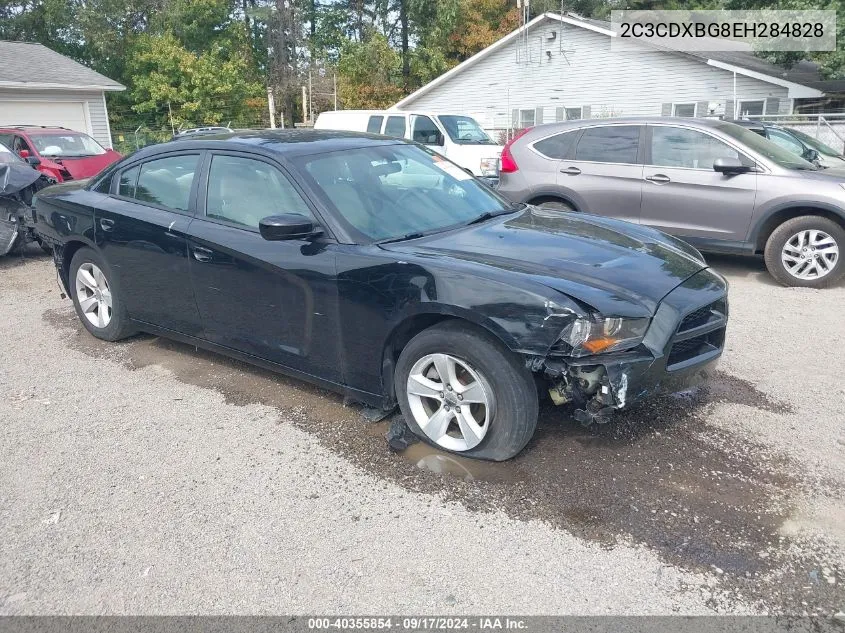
290 226
811 155
730 166
23 153
439 141
33 160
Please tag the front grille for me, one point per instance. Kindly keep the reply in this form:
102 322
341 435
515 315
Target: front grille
700 335
700 317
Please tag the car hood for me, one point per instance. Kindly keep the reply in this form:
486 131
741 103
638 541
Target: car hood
87 166
618 268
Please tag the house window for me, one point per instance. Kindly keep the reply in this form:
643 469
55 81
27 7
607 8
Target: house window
573 114
683 110
751 108
526 118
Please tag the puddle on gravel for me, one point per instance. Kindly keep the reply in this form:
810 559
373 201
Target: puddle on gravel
656 475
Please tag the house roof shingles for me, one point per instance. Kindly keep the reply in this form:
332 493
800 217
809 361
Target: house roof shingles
27 64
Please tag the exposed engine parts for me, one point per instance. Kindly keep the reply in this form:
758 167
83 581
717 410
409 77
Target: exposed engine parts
18 184
588 387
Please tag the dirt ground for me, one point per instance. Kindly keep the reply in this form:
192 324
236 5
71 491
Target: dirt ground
149 477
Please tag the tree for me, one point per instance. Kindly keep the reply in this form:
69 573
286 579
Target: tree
831 63
53 23
208 88
368 73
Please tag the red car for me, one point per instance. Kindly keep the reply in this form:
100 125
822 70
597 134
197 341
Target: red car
58 152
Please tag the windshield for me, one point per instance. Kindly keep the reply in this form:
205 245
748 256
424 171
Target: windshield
70 145
815 144
464 130
763 146
390 191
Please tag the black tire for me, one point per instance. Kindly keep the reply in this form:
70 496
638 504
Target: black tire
556 205
778 239
516 404
119 327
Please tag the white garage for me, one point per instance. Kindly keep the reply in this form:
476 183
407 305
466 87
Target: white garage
52 90
70 114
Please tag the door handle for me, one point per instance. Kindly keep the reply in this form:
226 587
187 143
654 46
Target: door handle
106 224
202 254
571 171
658 178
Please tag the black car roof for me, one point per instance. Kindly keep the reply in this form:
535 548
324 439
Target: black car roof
287 142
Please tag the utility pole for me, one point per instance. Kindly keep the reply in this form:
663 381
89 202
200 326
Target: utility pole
271 105
304 105
310 100
170 112
335 90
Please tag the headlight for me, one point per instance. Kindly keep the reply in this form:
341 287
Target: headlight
612 334
490 167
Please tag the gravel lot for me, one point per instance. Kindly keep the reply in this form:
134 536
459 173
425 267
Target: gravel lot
147 477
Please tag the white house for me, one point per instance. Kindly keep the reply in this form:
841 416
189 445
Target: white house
560 67
41 87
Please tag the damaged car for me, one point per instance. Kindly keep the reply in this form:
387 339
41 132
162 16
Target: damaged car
18 184
379 269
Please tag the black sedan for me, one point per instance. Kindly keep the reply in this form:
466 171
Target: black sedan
378 268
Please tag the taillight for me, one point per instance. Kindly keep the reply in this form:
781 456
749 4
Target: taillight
509 165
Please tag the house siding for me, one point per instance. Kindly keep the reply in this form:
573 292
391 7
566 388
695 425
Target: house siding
95 107
629 81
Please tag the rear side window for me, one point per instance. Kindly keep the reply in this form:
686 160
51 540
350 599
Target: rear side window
165 182
374 124
395 126
611 144
557 146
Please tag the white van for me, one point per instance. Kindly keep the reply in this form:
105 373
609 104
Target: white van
459 138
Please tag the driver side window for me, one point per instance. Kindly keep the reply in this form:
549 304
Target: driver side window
425 131
243 191
683 147
786 142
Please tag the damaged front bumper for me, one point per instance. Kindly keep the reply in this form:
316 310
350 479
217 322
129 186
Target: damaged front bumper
680 350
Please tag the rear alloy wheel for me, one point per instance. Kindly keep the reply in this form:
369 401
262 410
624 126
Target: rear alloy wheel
96 297
806 251
461 390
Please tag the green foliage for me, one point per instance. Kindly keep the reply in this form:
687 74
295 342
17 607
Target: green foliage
368 74
831 63
204 88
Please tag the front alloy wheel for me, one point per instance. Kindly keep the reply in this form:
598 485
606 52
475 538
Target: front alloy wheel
450 401
462 390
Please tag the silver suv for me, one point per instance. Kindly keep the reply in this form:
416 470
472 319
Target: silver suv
717 185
